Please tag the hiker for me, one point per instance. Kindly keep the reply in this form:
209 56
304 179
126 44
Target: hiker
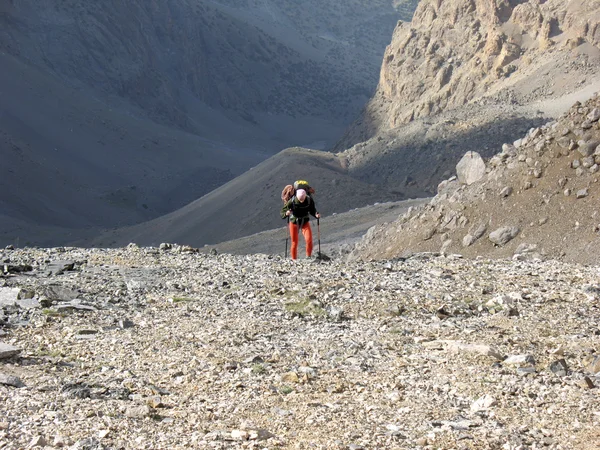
298 209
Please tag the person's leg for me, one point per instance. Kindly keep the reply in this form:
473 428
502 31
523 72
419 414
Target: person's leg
294 236
307 233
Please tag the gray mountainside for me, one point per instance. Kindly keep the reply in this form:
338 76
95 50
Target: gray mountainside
84 85
175 57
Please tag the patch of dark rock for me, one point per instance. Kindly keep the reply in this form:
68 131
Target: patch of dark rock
9 380
559 368
59 293
16 268
8 351
59 267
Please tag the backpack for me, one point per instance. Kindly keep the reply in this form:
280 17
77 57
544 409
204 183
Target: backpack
290 190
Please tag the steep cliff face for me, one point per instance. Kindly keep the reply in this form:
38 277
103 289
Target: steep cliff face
456 51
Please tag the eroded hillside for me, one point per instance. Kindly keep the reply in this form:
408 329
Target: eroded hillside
537 198
465 76
178 57
454 52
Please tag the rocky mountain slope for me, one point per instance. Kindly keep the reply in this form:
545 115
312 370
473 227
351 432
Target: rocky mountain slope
471 70
427 352
79 164
83 86
407 157
537 198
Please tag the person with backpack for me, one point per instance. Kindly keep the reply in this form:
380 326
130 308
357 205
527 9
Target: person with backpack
298 210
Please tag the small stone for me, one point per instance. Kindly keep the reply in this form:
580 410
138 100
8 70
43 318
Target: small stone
155 402
471 168
137 412
239 435
59 441
520 360
559 367
503 235
525 370
59 267
38 441
582 193
594 366
103 433
468 240
290 377
594 116
8 351
10 380
125 323
483 403
335 313
586 383
422 442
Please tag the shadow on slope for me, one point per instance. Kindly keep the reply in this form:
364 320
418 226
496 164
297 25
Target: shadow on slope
69 161
415 158
251 202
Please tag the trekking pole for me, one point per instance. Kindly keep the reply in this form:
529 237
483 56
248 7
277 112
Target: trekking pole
287 234
319 235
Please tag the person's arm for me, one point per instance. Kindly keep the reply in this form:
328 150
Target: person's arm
286 211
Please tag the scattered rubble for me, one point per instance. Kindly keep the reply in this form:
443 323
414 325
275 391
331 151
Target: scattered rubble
180 349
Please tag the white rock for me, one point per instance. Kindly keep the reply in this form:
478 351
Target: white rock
470 168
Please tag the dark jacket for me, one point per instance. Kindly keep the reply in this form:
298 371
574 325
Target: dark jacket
300 211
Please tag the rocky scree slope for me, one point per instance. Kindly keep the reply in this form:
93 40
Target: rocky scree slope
466 73
538 198
167 348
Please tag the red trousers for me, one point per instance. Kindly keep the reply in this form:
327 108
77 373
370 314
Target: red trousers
307 233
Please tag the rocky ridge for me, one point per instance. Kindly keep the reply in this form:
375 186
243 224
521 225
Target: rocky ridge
464 50
168 348
537 198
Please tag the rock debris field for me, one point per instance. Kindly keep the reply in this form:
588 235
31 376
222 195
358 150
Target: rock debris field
167 348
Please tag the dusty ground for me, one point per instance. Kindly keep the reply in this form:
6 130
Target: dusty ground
428 352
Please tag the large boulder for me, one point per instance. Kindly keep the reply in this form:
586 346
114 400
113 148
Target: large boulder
503 235
470 168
